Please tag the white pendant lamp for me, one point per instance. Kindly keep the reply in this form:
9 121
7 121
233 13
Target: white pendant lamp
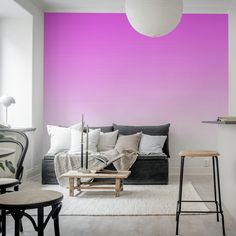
154 17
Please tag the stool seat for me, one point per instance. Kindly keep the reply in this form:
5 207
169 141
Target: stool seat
8 182
198 153
16 203
30 199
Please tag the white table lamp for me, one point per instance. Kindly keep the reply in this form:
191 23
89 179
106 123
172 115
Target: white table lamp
6 101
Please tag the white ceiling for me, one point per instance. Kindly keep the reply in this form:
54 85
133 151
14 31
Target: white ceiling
204 6
9 8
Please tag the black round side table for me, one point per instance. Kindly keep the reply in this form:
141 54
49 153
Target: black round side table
16 203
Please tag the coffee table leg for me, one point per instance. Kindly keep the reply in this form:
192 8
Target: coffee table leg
79 184
117 187
71 186
121 185
40 221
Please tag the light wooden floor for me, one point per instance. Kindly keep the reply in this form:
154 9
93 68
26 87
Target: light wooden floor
200 225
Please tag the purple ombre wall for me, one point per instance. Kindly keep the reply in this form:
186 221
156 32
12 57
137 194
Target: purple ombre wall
98 65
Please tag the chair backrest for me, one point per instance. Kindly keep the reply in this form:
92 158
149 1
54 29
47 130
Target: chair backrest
22 141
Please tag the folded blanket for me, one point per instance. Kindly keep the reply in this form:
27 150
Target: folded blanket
65 162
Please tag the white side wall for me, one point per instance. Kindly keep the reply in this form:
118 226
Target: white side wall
16 69
21 74
232 58
227 133
16 73
37 78
227 137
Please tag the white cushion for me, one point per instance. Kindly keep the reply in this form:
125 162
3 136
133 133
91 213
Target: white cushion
60 138
151 144
93 137
107 141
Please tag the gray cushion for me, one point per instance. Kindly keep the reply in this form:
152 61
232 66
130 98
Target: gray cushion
49 157
150 130
151 157
104 129
128 142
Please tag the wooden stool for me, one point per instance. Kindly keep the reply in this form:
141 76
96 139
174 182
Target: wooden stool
16 203
198 154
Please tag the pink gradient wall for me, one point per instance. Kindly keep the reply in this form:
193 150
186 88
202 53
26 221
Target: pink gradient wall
97 64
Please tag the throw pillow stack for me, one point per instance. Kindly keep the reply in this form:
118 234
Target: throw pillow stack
64 139
60 138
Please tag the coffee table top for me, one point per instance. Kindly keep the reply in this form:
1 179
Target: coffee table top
99 174
30 199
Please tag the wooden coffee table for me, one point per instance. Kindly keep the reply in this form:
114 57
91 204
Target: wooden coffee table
75 181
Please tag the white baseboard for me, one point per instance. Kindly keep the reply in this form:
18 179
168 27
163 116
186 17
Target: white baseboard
172 171
191 170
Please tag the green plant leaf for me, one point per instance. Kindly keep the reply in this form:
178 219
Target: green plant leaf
2 166
10 166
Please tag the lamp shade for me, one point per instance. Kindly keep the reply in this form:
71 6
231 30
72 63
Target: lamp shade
154 17
6 101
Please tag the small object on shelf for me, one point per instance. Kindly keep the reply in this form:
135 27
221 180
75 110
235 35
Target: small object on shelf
219 122
226 118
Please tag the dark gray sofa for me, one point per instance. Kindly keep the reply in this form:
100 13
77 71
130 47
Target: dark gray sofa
148 169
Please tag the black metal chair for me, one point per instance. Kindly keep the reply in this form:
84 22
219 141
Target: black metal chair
7 183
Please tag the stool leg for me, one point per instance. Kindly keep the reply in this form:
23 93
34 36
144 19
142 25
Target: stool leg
17 217
17 227
21 226
0 221
40 221
219 194
56 226
3 223
179 203
215 194
55 218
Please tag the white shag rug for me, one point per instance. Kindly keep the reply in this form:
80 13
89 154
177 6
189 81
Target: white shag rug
135 200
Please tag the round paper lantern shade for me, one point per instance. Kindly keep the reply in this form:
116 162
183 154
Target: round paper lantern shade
7 100
154 17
